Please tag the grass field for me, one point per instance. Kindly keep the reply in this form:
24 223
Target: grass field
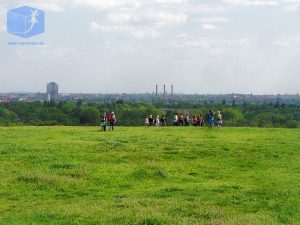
77 175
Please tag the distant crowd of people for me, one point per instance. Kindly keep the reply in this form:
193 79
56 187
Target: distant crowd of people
185 120
158 121
178 120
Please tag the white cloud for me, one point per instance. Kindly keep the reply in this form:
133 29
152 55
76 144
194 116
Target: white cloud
211 44
244 42
2 28
182 35
2 21
122 17
49 6
200 8
288 5
209 27
204 43
293 7
157 18
252 2
288 42
136 32
146 20
171 1
212 20
282 43
142 20
215 51
108 4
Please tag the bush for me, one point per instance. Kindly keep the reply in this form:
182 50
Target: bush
292 124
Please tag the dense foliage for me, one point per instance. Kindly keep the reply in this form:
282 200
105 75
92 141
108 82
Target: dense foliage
133 114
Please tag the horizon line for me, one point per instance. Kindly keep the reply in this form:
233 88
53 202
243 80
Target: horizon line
153 93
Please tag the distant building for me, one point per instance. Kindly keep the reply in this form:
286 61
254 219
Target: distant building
52 91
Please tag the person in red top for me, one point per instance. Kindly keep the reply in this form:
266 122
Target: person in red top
112 121
180 120
194 121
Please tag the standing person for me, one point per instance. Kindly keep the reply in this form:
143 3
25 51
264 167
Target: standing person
194 121
147 121
112 121
163 121
198 121
211 118
201 118
157 121
180 120
219 119
151 120
187 120
175 120
103 122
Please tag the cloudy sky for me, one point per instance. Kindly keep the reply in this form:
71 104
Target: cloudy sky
116 46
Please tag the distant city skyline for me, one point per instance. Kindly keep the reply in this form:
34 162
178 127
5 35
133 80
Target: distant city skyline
158 90
129 46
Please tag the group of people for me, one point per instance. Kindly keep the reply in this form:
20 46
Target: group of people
178 120
184 120
211 119
158 121
105 119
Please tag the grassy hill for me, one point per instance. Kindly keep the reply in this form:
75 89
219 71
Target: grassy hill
77 175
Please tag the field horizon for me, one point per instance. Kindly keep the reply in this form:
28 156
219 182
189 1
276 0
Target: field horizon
149 175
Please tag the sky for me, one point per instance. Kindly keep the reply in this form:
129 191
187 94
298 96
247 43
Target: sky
128 46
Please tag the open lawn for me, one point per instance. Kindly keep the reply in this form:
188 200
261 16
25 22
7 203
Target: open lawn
77 175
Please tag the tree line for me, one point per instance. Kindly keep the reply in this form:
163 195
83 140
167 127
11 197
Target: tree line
133 114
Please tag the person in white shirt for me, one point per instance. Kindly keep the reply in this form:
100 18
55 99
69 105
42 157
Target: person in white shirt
147 121
157 122
175 120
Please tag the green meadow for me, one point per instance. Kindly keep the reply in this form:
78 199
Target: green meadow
78 175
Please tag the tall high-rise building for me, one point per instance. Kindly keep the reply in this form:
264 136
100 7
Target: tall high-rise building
172 89
52 91
165 89
156 91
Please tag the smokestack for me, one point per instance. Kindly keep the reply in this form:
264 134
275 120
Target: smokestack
164 89
172 89
156 92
